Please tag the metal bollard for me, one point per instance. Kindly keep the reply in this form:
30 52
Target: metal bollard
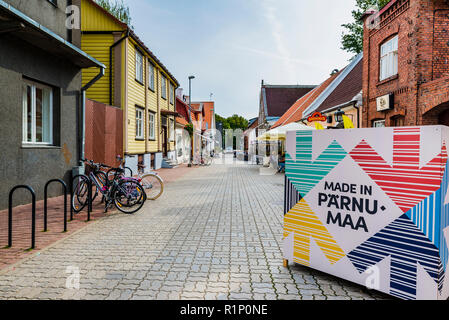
65 202
33 215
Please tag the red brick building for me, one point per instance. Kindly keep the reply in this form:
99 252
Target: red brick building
406 64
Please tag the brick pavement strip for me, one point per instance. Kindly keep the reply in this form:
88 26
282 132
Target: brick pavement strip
216 233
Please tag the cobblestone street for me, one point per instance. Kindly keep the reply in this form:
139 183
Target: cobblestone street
216 233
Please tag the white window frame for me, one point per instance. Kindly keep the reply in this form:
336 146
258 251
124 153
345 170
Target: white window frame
172 93
139 66
388 66
163 87
139 123
33 141
152 125
379 124
151 76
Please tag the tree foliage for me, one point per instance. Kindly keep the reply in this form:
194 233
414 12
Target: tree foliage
352 38
118 9
235 122
189 129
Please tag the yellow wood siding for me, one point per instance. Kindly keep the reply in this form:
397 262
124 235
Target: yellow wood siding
136 96
152 106
97 45
95 19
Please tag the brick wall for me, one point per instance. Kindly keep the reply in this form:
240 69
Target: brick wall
422 27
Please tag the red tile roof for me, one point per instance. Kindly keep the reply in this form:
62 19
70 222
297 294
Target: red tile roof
280 98
183 109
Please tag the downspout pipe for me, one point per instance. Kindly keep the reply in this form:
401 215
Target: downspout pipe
83 113
110 63
358 114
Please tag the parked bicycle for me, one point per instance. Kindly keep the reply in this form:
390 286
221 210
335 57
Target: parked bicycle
127 195
151 182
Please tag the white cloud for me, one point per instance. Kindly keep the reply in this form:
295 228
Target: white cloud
273 19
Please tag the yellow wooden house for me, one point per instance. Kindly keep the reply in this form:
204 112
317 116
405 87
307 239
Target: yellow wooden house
135 81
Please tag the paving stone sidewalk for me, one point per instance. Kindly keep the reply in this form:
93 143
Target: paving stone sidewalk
216 233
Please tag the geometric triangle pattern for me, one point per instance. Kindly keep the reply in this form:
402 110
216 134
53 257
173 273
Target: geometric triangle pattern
404 181
407 246
292 196
431 216
304 223
304 173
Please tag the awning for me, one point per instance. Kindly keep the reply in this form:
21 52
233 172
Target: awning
16 23
169 113
280 133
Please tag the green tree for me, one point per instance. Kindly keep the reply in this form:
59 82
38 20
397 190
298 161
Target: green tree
237 122
352 39
118 9
222 120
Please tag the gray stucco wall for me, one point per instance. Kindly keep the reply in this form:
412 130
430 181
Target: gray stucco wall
45 13
34 166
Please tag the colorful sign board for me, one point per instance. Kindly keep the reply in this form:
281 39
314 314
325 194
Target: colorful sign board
317 116
371 206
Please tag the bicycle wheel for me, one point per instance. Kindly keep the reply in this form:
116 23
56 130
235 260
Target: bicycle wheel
152 185
80 195
103 181
129 196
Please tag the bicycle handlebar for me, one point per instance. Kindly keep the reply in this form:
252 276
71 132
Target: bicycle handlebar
101 165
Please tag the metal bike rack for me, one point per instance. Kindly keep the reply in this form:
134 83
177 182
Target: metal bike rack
89 195
65 202
33 215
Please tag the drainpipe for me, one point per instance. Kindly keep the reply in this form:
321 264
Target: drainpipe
110 63
83 113
358 114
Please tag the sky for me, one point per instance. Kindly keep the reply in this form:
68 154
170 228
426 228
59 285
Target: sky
231 45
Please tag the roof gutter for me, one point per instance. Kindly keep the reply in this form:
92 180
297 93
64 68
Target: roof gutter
82 136
48 32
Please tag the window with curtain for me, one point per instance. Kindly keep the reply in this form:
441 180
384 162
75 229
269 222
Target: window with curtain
37 114
389 59
139 66
139 123
172 94
163 87
152 121
151 76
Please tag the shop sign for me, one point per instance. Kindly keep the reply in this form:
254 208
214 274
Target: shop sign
317 116
385 102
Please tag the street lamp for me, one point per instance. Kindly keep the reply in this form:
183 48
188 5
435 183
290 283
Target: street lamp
190 117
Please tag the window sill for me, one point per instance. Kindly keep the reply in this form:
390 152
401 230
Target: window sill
152 90
152 140
140 139
39 146
387 80
141 83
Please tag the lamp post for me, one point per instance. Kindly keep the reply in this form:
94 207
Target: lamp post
190 117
